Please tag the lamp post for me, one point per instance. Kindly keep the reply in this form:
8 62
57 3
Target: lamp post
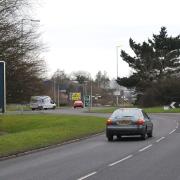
22 27
117 66
22 23
117 56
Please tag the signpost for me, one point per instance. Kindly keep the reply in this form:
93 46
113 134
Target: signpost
174 105
76 96
2 88
87 101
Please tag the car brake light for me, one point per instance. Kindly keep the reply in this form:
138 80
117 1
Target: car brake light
109 122
140 122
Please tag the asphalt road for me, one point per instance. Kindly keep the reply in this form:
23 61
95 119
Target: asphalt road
95 158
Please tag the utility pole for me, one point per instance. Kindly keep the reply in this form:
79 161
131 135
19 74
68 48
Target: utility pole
2 87
117 68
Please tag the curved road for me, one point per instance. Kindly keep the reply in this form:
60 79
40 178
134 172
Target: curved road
95 158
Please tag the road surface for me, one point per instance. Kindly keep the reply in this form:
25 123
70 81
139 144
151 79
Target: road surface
157 158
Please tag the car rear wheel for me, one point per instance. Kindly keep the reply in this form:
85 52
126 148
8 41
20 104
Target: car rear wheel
150 134
119 137
40 108
110 137
144 135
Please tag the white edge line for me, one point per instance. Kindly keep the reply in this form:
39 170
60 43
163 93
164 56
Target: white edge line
172 131
85 177
160 139
120 160
143 149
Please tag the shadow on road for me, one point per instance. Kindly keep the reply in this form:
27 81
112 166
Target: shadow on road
128 138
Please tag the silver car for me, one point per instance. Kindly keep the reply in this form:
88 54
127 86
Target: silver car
129 121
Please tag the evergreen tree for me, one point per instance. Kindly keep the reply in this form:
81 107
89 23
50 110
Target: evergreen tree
154 60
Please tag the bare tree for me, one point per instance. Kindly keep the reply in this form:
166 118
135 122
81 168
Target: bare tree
20 48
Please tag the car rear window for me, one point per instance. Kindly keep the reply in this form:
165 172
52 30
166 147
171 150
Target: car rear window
132 114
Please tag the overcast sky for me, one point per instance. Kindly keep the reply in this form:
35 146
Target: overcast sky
83 34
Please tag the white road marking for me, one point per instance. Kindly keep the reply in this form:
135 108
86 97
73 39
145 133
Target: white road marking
160 139
85 177
177 125
120 160
143 149
172 131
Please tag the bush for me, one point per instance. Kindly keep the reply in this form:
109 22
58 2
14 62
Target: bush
162 92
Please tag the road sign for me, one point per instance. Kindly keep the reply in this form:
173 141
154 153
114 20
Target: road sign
87 101
2 88
174 105
76 96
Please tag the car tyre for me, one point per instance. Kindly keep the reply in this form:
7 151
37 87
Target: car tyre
40 108
119 137
110 138
144 135
150 134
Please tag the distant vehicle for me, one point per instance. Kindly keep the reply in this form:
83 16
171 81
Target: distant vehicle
129 121
78 104
42 102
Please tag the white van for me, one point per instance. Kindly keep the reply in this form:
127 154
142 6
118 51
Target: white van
42 102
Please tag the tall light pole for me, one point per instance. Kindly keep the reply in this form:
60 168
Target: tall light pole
22 32
117 66
22 23
117 56
22 27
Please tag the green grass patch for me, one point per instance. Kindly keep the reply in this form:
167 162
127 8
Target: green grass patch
17 107
104 110
161 110
148 110
27 132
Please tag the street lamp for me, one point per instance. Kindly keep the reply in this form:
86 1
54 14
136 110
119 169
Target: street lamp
117 66
22 23
117 55
22 29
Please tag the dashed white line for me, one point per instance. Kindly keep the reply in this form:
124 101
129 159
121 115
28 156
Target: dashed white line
120 160
172 131
143 149
177 125
85 177
160 139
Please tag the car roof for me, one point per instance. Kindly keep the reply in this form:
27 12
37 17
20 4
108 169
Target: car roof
39 97
123 109
126 111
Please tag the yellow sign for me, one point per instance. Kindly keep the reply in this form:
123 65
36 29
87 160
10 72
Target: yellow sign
76 96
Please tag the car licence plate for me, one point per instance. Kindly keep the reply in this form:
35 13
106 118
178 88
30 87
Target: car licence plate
124 122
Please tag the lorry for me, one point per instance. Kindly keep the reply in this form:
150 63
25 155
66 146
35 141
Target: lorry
41 102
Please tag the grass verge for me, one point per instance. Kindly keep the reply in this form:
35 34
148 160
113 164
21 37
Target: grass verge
28 132
17 107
